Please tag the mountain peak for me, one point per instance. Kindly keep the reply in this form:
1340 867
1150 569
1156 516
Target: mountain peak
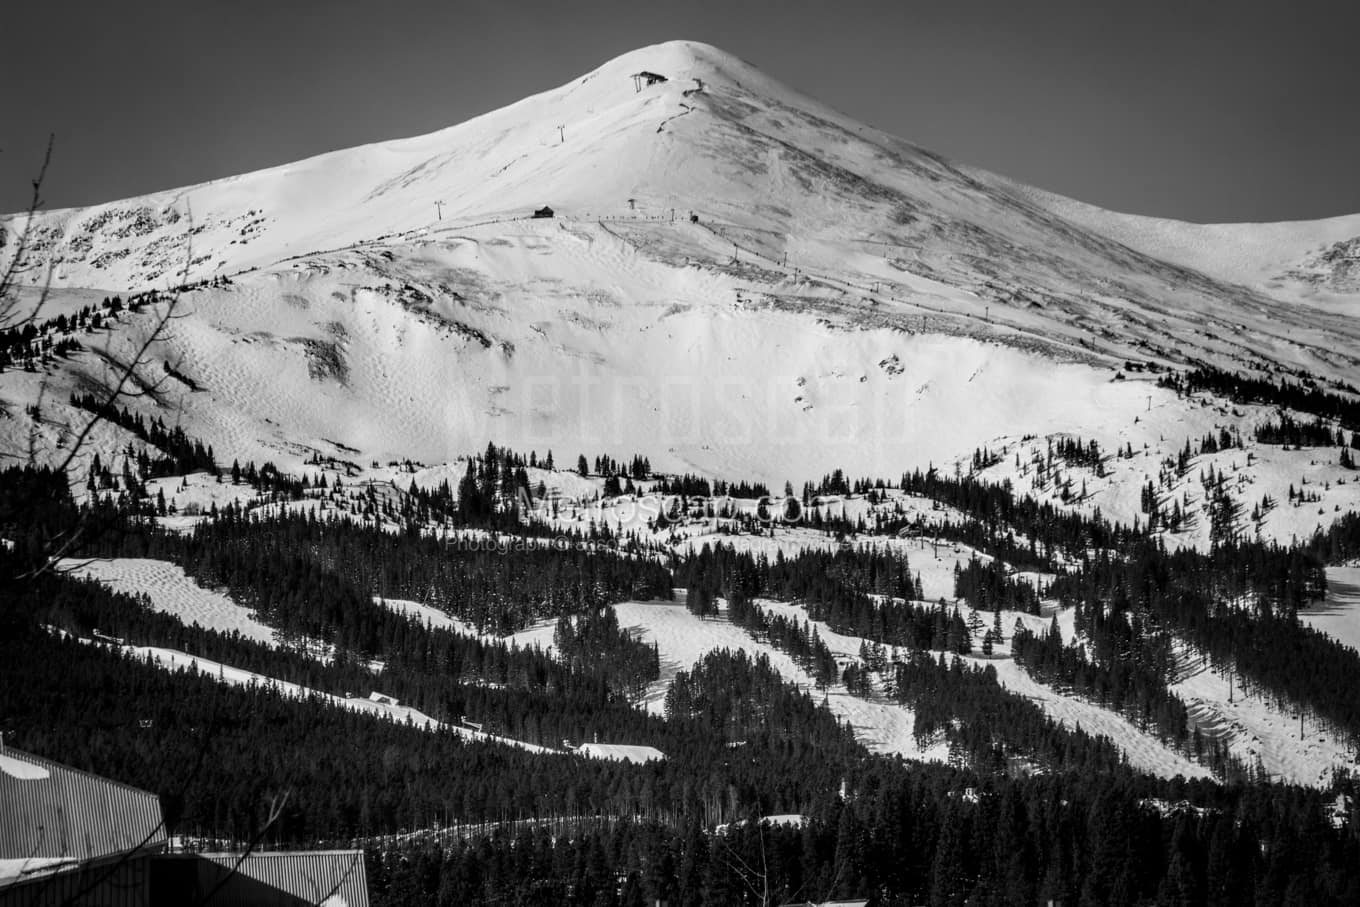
687 66
683 126
683 57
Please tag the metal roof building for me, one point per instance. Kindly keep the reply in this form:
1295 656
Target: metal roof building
331 878
68 837
51 812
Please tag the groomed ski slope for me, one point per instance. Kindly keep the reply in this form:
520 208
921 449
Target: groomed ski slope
1144 751
427 616
1339 614
685 639
171 591
884 727
1264 734
174 660
1257 731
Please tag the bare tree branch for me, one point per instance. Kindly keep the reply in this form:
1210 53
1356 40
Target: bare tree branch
9 300
353 865
276 806
125 382
129 854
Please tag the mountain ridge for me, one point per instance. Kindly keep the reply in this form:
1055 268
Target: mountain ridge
738 280
578 100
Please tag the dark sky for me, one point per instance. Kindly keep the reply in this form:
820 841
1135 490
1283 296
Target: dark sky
1201 111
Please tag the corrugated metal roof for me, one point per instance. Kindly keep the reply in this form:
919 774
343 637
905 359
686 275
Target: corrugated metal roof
293 879
333 878
51 810
114 881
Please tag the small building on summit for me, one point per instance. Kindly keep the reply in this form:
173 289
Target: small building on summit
646 79
545 211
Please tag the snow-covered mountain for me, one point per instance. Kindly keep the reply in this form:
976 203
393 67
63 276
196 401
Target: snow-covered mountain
737 280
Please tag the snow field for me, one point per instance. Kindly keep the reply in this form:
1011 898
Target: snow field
172 591
1339 614
1253 472
426 615
1144 751
175 660
684 640
1261 732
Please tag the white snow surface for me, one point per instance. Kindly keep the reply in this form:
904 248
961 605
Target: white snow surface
1339 614
1261 731
1264 256
170 590
23 771
621 752
1144 751
426 615
15 867
788 820
880 724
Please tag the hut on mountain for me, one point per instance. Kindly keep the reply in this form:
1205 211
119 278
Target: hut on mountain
646 79
545 211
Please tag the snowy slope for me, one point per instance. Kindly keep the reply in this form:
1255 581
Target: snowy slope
1339 614
772 169
1252 473
1264 733
170 590
880 724
685 639
175 660
844 298
1143 750
1287 260
1259 731
427 616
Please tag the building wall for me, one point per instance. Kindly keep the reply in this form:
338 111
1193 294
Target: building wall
293 879
112 882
